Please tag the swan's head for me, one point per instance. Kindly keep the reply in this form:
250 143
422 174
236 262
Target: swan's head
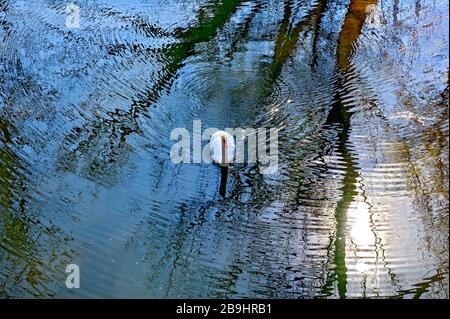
222 148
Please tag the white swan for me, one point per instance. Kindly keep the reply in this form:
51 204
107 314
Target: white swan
222 150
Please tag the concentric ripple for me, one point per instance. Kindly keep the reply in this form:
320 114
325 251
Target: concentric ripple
357 91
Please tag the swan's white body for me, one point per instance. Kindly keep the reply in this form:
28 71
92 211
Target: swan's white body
218 141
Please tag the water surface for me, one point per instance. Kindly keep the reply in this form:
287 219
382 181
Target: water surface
357 89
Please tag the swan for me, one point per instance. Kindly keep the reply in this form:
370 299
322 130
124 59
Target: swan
222 150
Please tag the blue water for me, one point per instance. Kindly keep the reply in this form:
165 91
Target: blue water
356 89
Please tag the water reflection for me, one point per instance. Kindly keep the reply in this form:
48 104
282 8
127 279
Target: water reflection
357 89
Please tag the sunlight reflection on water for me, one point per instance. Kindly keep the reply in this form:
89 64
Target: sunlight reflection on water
358 91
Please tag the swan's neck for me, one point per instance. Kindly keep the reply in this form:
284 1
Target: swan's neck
223 168
224 152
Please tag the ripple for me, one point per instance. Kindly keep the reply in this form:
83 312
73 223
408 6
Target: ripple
357 208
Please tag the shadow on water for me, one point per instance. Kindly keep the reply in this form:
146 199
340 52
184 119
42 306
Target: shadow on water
86 177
